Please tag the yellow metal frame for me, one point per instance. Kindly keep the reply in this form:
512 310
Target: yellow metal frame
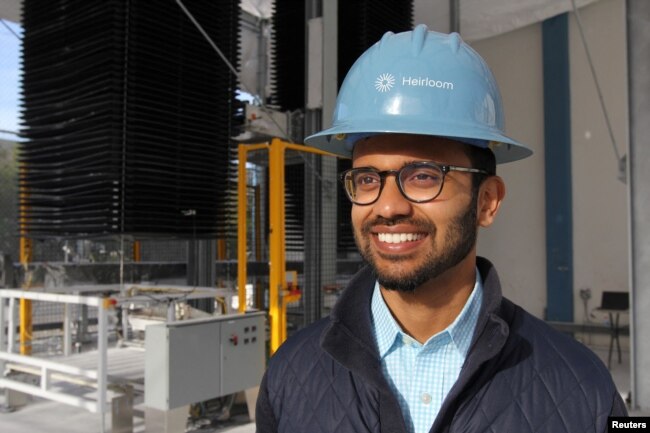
221 249
137 251
25 320
25 304
279 296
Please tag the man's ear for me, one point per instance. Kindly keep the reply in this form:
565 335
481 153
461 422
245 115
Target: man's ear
490 195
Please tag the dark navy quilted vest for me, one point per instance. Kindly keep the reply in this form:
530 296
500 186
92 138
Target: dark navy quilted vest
520 376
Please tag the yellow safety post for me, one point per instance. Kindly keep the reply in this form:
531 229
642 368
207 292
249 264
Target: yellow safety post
25 304
277 240
279 296
25 259
221 249
277 280
242 206
137 251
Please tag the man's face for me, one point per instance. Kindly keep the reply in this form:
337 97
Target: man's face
409 243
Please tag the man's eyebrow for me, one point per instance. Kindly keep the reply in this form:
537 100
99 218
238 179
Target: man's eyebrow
412 161
408 162
417 161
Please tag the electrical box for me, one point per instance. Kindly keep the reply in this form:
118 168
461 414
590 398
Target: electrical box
195 360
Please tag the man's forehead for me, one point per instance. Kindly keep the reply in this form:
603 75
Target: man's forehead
410 145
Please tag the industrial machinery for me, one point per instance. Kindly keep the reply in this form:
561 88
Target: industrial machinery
180 362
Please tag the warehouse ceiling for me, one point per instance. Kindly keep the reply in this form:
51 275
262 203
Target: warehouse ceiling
479 19
10 10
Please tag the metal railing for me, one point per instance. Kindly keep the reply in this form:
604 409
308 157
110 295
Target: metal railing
49 371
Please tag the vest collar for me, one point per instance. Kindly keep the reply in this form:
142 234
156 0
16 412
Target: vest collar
349 340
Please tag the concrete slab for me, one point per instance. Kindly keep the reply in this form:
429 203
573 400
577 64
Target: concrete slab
47 416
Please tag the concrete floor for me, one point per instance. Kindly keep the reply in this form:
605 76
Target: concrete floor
41 415
45 416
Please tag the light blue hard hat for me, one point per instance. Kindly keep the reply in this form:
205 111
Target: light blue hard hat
420 82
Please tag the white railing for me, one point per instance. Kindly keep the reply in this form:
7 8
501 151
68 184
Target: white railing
50 371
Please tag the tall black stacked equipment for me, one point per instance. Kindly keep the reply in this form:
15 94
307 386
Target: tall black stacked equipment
364 22
288 51
361 24
127 118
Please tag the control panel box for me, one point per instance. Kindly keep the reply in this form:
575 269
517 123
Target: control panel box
195 360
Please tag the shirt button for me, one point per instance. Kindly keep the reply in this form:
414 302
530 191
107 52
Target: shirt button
426 398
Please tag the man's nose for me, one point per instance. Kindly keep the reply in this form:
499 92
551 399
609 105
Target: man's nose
391 203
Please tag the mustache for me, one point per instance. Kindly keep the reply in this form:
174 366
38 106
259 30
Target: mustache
420 225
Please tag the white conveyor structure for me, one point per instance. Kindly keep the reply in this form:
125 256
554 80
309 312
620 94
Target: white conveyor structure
112 379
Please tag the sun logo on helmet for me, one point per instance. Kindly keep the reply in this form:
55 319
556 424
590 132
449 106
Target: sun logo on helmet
384 82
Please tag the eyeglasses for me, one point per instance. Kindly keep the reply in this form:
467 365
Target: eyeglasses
418 182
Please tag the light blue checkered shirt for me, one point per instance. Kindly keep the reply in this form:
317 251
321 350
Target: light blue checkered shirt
421 375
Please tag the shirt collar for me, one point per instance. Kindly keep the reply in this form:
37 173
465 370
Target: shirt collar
388 333
462 329
386 328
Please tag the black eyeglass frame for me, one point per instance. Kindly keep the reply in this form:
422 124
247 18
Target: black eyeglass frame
444 168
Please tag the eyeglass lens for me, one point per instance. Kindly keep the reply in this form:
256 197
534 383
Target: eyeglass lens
418 182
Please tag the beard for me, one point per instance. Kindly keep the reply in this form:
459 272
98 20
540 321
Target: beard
460 239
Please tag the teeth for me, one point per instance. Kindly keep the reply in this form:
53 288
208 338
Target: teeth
395 238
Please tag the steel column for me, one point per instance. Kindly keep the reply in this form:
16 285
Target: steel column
3 326
312 299
557 152
328 173
11 325
454 16
67 330
638 41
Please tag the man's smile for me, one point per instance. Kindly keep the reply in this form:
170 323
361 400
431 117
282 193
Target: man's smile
396 238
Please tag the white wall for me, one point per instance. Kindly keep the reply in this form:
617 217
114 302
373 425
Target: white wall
600 214
516 243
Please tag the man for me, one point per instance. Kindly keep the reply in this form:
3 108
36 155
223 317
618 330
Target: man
422 340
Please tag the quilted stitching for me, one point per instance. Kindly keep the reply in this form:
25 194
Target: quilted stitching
542 381
325 394
560 387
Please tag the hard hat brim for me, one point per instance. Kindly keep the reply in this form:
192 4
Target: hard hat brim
340 139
